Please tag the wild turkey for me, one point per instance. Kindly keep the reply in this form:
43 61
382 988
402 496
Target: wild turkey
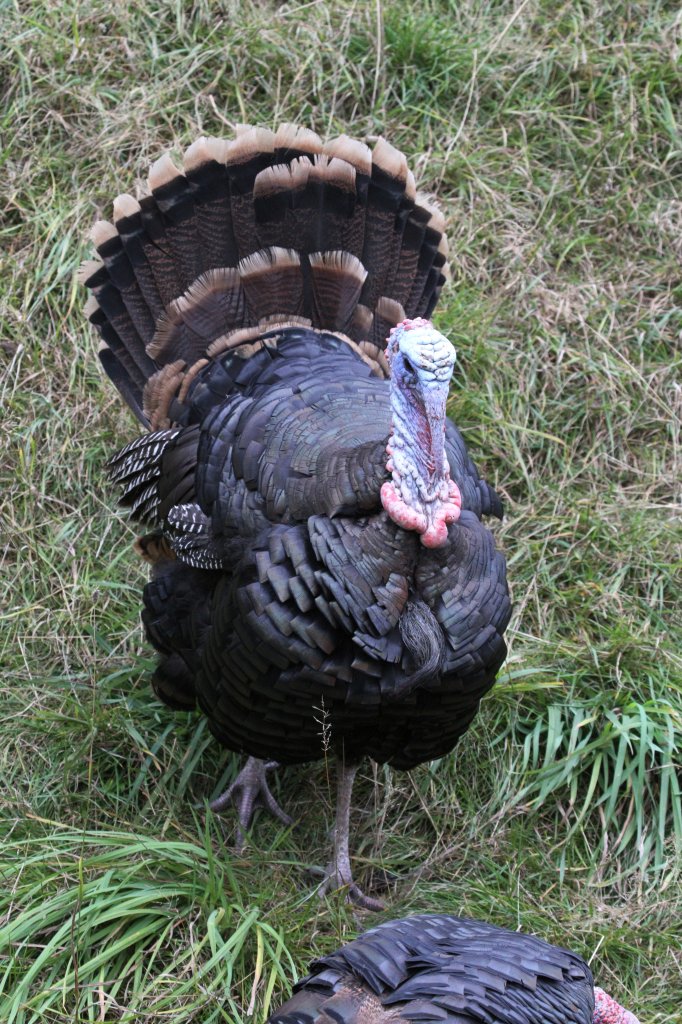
449 970
306 589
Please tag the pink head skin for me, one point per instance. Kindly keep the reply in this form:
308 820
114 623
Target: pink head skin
608 1011
420 494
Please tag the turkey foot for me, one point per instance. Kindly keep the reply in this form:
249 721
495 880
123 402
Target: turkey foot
248 791
338 874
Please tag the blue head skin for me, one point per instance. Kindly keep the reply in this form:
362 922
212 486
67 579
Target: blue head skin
420 496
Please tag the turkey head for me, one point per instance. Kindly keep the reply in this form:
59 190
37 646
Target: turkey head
420 495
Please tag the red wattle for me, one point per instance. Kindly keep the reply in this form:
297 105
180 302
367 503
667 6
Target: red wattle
399 511
434 533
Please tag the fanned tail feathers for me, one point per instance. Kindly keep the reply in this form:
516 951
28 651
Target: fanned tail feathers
266 229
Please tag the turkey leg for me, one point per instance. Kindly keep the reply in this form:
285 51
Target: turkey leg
338 874
248 791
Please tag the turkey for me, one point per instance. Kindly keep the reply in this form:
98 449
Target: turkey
322 582
449 970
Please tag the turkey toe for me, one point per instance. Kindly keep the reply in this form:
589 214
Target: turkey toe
336 880
250 790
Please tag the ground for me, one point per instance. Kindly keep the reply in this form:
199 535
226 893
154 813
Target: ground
548 131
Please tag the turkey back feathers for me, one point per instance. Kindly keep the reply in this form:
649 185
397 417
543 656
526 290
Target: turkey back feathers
263 230
443 970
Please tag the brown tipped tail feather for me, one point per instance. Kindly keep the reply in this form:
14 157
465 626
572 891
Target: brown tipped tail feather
263 229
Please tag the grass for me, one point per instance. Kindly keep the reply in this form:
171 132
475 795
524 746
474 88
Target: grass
549 132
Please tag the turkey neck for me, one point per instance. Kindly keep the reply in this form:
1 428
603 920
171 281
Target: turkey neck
420 495
417 443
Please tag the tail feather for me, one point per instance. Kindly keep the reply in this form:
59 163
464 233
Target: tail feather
158 253
118 374
407 257
277 192
174 198
272 281
160 391
353 152
331 185
361 323
435 282
267 228
337 280
431 260
391 285
122 334
215 303
128 223
292 141
387 314
385 194
109 245
206 170
250 153
359 156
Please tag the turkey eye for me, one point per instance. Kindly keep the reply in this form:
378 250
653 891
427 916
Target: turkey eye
408 365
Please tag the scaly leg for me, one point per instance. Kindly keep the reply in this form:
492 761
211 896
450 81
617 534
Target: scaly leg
248 791
338 874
